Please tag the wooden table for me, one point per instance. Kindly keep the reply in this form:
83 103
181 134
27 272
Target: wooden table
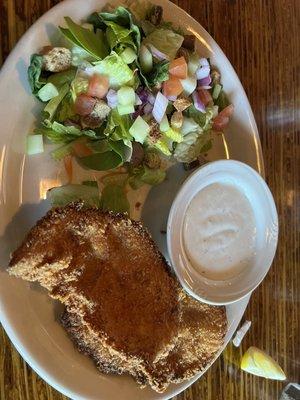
261 39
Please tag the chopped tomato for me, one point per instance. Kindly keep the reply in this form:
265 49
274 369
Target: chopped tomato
84 104
98 86
178 68
227 111
204 96
172 87
81 149
69 167
219 123
222 119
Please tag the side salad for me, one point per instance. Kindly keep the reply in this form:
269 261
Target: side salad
125 92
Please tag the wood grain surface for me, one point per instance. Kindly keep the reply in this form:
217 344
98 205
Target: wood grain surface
261 39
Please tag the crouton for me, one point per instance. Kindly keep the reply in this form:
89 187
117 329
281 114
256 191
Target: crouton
56 59
182 103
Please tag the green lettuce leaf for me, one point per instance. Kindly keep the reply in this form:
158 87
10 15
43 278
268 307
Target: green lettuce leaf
117 127
101 161
34 73
63 195
65 109
80 56
79 85
59 133
115 68
192 146
51 108
142 174
222 101
118 36
165 40
107 155
58 79
159 73
113 198
123 17
93 42
204 120
139 9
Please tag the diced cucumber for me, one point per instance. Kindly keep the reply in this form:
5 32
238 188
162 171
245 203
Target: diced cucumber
164 126
146 59
189 84
193 64
125 109
139 130
126 96
216 91
128 55
35 144
47 92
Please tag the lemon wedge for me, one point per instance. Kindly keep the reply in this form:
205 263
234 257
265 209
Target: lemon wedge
258 363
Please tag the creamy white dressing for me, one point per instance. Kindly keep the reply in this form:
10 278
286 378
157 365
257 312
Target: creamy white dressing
220 232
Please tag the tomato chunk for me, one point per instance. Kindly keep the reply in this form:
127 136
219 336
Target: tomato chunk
98 86
172 87
204 96
228 111
220 123
178 68
222 119
84 104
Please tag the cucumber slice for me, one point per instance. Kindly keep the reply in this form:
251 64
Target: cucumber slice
139 130
126 96
125 109
47 92
35 144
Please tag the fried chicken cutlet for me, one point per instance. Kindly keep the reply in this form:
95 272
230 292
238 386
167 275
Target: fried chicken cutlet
123 306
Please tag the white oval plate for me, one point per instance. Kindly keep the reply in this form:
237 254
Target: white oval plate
27 314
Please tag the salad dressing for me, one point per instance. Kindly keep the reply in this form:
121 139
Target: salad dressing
220 232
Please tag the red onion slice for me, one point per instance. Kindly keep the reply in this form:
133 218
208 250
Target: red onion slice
197 102
202 72
205 81
157 54
148 108
112 98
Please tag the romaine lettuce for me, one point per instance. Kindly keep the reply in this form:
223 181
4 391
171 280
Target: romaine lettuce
116 69
113 198
59 133
93 42
34 73
63 195
192 146
52 106
142 174
166 41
